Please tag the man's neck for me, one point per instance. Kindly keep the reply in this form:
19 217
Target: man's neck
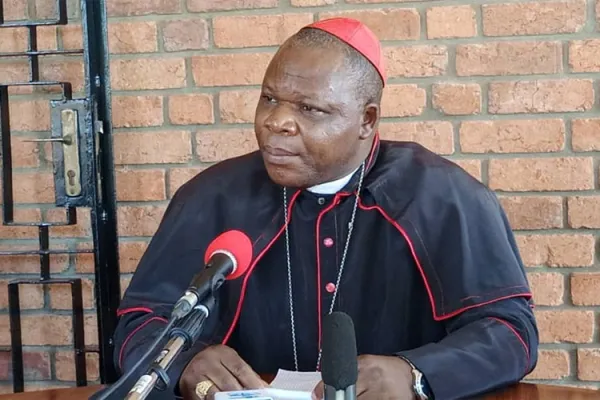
332 187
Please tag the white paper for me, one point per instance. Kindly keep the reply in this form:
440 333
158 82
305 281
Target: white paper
263 394
287 385
298 381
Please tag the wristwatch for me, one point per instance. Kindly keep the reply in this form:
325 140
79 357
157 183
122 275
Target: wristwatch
420 386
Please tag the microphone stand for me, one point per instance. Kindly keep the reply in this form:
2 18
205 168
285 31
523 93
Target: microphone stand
182 337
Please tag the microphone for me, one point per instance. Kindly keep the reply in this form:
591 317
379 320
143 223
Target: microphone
227 257
339 359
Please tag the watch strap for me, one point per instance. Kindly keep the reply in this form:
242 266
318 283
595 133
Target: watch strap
418 381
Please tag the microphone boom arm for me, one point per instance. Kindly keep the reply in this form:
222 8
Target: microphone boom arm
182 337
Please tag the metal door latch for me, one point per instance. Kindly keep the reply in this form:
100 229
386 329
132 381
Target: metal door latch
69 138
73 133
71 152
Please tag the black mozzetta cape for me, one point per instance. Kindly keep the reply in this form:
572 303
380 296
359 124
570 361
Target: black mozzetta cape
433 272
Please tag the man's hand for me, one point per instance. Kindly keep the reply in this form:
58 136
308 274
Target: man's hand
380 378
222 366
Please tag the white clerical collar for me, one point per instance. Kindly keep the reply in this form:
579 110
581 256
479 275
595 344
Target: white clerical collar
332 186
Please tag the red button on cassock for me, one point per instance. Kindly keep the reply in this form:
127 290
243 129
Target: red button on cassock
328 242
330 287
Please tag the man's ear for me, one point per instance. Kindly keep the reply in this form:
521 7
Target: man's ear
369 121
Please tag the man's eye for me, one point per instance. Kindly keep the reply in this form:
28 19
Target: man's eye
269 99
308 108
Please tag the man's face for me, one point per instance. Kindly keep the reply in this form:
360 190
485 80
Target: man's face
309 124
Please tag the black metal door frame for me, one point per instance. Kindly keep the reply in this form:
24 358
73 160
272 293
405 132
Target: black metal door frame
81 137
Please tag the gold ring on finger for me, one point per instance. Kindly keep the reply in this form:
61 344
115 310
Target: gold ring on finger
202 389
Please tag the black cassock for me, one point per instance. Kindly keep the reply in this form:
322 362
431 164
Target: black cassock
432 272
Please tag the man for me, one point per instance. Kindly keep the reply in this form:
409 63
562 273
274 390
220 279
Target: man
414 249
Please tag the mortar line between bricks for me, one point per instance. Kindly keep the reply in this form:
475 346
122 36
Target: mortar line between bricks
428 87
595 253
156 166
485 172
143 203
566 271
568 299
165 110
499 193
565 57
167 188
386 125
456 135
568 307
317 10
596 332
429 116
590 23
21 275
53 362
451 52
422 25
583 271
194 139
565 282
569 134
455 155
597 93
482 80
31 9
540 116
212 49
211 35
160 38
479 21
35 348
574 382
573 363
183 7
565 207
58 312
595 171
46 293
189 74
216 98
559 231
340 6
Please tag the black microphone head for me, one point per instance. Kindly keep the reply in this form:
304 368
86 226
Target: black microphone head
339 363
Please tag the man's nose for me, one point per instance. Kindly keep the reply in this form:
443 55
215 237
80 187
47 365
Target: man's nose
281 121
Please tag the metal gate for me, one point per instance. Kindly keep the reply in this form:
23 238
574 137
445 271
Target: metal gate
82 166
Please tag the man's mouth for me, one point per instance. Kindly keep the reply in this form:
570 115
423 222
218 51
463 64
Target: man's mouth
277 155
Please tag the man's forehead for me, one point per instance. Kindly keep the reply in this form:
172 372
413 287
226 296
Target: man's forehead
307 63
308 73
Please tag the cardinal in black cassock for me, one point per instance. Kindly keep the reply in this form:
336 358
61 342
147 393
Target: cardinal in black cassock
419 253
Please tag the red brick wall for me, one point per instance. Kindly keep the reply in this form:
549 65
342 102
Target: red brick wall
507 90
